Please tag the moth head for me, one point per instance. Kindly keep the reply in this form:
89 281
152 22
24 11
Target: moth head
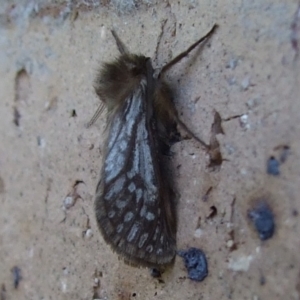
136 64
117 79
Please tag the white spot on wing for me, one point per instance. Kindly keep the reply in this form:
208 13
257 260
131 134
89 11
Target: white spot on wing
135 162
162 239
156 233
121 203
130 174
114 162
146 169
133 231
139 194
111 214
120 228
143 211
143 239
159 251
128 216
241 263
150 216
115 188
149 248
131 187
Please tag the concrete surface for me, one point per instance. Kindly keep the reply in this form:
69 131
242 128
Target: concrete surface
248 73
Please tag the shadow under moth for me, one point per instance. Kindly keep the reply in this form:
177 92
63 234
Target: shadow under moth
134 203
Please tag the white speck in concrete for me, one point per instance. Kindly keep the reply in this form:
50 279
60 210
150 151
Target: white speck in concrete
243 171
103 33
63 286
69 201
231 80
232 64
31 252
244 122
230 149
229 244
96 282
65 271
241 263
198 232
245 83
89 233
253 102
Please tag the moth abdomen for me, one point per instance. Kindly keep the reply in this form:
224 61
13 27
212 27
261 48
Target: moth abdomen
166 117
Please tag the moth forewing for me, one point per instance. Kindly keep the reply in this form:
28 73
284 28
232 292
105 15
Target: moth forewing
130 199
134 204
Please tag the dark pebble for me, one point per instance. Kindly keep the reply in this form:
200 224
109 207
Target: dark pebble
263 220
17 277
195 262
273 166
155 273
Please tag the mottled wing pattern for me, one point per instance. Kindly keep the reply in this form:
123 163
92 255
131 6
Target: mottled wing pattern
133 205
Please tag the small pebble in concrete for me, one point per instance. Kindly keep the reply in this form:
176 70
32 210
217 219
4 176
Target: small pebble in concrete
68 202
263 220
155 273
195 262
88 233
17 277
273 166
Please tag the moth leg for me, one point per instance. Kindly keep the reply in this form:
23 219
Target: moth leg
186 52
187 130
96 115
176 60
122 48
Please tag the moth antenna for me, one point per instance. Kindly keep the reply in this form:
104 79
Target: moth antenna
163 23
96 115
122 48
186 129
186 52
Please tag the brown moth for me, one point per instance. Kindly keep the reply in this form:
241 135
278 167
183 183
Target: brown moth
134 202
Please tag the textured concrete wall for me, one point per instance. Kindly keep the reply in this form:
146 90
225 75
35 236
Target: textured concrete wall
248 72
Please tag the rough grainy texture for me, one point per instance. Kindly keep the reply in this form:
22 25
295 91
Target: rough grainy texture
248 73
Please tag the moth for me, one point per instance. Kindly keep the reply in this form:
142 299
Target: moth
134 204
